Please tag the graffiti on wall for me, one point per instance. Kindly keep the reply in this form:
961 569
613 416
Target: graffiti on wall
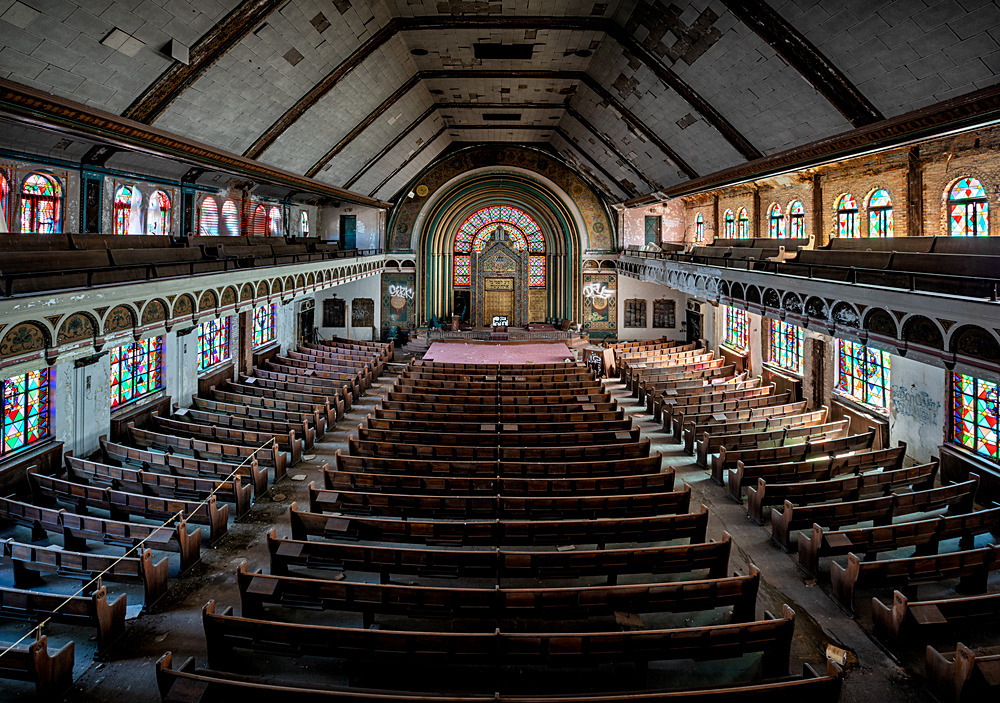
919 405
398 299
600 304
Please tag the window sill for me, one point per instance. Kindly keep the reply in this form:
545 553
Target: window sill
32 452
215 368
854 404
267 346
138 403
781 369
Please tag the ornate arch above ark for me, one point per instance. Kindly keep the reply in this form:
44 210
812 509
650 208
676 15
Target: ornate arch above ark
499 268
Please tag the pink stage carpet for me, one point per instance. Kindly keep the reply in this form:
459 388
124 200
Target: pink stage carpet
498 353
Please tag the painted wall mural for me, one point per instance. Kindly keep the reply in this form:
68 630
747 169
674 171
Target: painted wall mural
398 299
600 304
599 232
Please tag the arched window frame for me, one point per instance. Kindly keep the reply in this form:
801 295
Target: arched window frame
785 348
968 209
260 221
127 211
477 229
41 204
136 370
848 225
304 223
729 224
208 218
880 214
796 220
863 374
27 411
274 221
231 218
742 224
4 202
213 343
699 228
775 222
736 331
158 214
264 325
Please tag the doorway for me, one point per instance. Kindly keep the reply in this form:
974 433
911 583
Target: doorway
348 231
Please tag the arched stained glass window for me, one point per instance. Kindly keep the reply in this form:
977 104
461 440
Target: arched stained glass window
975 415
26 411
263 324
863 373
775 222
260 222
231 218
796 220
213 342
729 224
304 223
699 228
208 221
136 370
127 211
41 203
742 224
4 203
736 334
158 214
847 217
786 346
475 233
880 214
968 209
274 221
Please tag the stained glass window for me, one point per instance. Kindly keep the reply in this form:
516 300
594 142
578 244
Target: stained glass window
41 200
847 217
737 330
785 350
136 370
213 343
796 220
863 373
260 222
699 228
880 214
274 221
26 408
304 223
231 218
775 222
729 224
742 224
158 214
974 414
4 202
477 231
263 324
968 210
127 211
208 222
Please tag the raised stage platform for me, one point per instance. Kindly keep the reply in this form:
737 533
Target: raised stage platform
482 352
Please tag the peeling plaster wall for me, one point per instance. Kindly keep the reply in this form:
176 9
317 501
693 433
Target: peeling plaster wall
917 407
369 287
629 288
369 228
82 405
671 223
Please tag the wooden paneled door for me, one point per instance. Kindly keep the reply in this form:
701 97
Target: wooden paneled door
498 302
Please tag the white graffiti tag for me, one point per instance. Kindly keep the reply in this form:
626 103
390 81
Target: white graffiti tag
401 291
598 290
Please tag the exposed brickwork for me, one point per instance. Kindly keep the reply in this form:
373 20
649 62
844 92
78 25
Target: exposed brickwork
946 161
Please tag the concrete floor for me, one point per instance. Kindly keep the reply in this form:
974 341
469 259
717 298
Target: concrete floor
176 623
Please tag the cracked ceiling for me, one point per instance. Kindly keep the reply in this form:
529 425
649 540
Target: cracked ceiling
639 95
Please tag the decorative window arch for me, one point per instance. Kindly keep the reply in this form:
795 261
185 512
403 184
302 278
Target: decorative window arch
785 350
136 370
775 222
975 415
26 411
863 373
231 218
259 228
127 211
796 220
847 217
4 202
41 204
213 342
699 228
158 214
477 230
274 221
880 214
729 224
742 224
208 220
264 330
968 209
304 223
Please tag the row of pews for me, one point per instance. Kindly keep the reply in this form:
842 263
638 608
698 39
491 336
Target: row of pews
151 493
43 262
491 527
829 495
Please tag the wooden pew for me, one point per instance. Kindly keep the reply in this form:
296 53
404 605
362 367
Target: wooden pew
94 610
727 380
496 603
968 675
493 453
51 674
381 413
678 403
122 503
907 617
231 435
972 568
243 417
206 449
77 529
771 637
504 413
692 420
600 531
315 374
714 375
339 398
300 383
958 497
319 416
503 435
330 408
392 560
737 434
29 559
473 426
